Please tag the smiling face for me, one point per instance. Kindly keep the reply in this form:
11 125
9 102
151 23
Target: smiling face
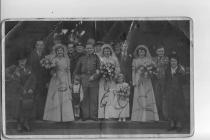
60 52
107 52
173 62
141 53
89 49
160 52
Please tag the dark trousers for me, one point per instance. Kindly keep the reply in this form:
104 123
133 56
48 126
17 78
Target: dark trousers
39 102
159 92
89 106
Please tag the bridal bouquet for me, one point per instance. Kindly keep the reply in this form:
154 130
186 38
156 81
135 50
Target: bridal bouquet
107 71
147 69
47 62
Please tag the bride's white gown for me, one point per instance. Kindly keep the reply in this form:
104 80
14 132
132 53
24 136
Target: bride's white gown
58 105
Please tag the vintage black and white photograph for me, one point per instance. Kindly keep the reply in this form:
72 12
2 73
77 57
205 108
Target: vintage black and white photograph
98 77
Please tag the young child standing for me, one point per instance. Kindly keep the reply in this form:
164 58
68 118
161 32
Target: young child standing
122 92
77 94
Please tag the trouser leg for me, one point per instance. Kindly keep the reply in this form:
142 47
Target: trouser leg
94 102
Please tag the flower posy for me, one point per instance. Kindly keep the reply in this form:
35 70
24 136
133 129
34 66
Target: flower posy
107 71
123 90
47 63
148 69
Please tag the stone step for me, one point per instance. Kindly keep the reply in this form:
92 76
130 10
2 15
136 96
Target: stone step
93 125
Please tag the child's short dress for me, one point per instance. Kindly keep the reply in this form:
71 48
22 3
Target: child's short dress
122 104
109 101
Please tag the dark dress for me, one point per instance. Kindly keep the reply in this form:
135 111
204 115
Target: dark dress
20 79
86 67
174 94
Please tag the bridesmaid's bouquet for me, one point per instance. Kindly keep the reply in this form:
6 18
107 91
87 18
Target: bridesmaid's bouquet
123 91
47 62
107 70
148 69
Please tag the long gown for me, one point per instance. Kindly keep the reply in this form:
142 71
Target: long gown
58 106
144 105
104 85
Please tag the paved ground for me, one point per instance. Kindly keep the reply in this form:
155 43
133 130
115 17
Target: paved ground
93 127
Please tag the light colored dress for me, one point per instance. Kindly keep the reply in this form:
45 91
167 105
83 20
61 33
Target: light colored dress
122 104
58 105
144 105
105 85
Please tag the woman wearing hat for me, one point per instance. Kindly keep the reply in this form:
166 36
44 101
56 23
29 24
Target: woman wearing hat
174 95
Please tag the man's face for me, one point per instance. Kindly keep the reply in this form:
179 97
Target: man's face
79 48
40 46
160 52
70 48
117 49
89 49
98 48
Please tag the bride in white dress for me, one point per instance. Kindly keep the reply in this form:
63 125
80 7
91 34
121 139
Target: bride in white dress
58 105
107 56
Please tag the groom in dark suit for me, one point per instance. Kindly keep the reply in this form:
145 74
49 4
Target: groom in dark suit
41 76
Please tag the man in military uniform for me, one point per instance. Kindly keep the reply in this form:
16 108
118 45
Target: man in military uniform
87 69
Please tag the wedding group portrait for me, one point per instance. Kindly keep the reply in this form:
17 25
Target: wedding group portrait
81 77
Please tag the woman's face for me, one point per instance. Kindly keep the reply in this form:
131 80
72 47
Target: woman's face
107 52
141 53
173 62
60 52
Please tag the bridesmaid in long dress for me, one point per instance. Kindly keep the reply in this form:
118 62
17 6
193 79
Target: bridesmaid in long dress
58 106
107 56
144 105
